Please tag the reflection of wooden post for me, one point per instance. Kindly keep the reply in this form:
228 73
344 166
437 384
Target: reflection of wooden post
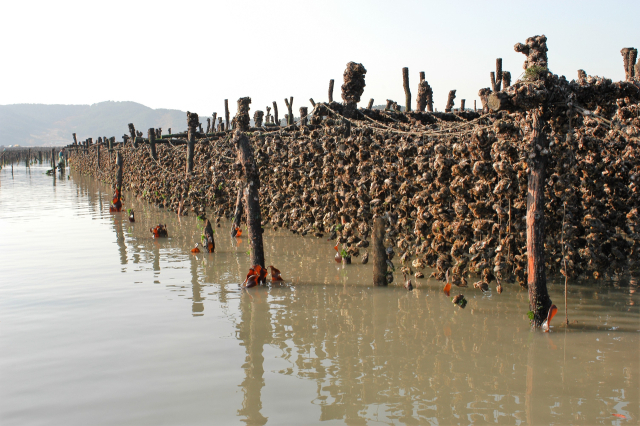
251 197
379 255
539 301
197 307
254 332
331 90
407 91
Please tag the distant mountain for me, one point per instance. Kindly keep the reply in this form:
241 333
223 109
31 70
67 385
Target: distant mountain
46 125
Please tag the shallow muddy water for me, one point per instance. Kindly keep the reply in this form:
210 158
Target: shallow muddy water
102 325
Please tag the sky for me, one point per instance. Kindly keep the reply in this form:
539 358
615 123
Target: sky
191 55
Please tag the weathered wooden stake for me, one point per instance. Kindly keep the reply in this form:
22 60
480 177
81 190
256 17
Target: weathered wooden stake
474 106
629 56
53 158
506 79
498 74
539 301
237 215
313 104
462 101
407 91
421 76
379 256
370 104
275 114
119 163
289 104
226 113
251 197
152 143
192 123
213 122
330 90
452 96
303 116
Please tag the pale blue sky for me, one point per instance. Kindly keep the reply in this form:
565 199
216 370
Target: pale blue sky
191 55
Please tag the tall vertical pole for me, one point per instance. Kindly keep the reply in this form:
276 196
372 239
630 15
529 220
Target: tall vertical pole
407 91
539 301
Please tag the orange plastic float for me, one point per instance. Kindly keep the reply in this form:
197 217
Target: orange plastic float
447 286
260 275
553 310
275 274
116 203
159 231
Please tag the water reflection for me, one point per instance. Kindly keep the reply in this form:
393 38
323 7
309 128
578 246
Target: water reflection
254 332
337 351
197 307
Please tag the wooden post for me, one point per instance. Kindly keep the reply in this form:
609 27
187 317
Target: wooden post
275 114
421 76
506 79
251 197
452 96
462 102
226 113
53 158
498 74
313 103
152 143
258 117
629 56
539 301
474 106
379 256
303 116
208 126
407 91
370 104
132 133
119 163
494 88
330 90
75 140
213 122
242 120
192 123
237 215
289 104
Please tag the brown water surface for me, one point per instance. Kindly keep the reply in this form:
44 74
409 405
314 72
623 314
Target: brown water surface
102 325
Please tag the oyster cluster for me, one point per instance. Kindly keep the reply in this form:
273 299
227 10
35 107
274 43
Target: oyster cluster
452 187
